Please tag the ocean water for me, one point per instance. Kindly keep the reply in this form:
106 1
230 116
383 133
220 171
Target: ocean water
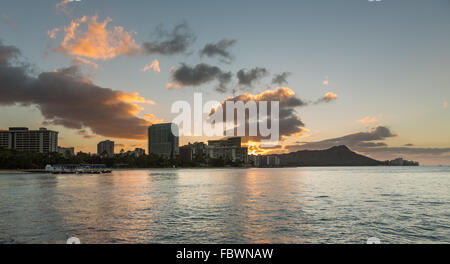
281 205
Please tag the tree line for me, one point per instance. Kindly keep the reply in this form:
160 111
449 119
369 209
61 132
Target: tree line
13 159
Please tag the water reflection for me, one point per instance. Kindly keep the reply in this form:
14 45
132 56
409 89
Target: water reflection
304 205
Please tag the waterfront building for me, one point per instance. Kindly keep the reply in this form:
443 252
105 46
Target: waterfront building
106 147
162 141
137 152
186 153
266 161
191 151
67 152
229 148
23 139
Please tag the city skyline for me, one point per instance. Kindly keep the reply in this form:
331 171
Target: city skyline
379 86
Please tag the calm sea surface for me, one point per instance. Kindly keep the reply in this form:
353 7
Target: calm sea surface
293 205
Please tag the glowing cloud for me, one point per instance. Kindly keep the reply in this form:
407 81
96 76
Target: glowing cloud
153 119
62 6
52 33
67 98
173 86
325 82
445 105
330 96
327 98
154 66
134 98
368 120
97 41
87 62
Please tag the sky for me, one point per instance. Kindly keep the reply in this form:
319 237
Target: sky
371 75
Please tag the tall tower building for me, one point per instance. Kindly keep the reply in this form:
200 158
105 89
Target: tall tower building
107 147
22 139
161 140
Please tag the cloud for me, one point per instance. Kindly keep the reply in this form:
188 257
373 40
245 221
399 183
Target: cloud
281 79
445 105
173 86
328 97
154 66
7 54
218 49
398 151
62 6
171 43
368 120
7 20
97 41
325 82
52 33
289 122
153 119
372 143
66 97
249 77
82 61
355 140
199 74
85 134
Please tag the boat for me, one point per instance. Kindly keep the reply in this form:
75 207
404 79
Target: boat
77 169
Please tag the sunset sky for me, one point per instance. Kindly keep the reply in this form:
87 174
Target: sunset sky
374 76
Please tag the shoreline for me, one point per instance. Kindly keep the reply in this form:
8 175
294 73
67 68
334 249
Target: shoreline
12 172
31 171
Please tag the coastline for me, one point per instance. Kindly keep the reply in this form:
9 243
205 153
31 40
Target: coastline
31 171
12 172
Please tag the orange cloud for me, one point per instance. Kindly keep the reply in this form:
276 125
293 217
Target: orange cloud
330 96
79 60
97 41
254 148
368 120
445 105
62 6
152 118
52 33
134 98
173 86
325 82
154 66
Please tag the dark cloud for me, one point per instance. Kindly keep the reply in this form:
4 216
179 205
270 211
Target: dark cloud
408 145
289 121
219 49
66 97
200 74
8 53
249 77
170 43
360 139
85 134
281 79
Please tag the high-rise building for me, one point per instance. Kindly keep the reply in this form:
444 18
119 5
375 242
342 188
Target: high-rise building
191 151
23 139
106 147
67 152
161 140
137 152
229 148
